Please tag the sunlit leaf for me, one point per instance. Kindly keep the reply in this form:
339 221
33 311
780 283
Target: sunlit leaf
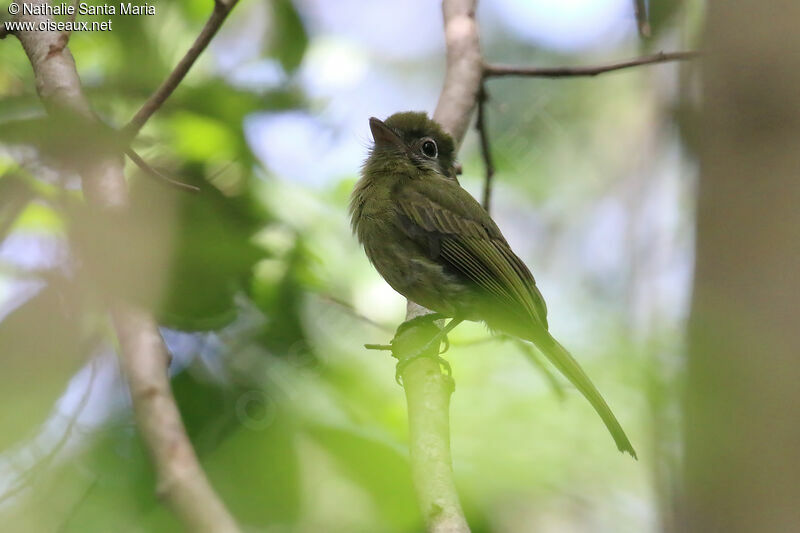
199 137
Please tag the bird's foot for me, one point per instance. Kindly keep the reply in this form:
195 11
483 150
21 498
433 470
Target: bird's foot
403 363
407 349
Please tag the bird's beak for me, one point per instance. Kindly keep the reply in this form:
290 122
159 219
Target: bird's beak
383 135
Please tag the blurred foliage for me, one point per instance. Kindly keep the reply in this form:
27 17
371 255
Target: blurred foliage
289 40
266 299
212 246
58 310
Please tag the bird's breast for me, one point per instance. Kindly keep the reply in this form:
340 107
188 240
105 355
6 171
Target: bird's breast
409 271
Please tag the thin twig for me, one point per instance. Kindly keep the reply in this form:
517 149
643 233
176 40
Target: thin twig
533 356
218 15
478 341
152 172
75 506
497 71
352 311
181 481
486 151
642 22
379 347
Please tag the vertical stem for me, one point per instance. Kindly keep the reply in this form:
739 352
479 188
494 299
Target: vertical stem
486 150
427 389
428 398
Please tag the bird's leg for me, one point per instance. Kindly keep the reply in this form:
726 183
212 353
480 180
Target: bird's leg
423 351
441 336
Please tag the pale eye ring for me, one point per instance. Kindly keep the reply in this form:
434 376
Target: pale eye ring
429 148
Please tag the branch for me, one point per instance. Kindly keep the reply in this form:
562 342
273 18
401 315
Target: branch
181 481
486 151
642 23
428 401
218 15
498 71
464 70
75 506
145 167
352 311
427 388
3 19
68 33
534 357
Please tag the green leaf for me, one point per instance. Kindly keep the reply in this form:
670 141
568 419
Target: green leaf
290 39
207 238
200 138
278 291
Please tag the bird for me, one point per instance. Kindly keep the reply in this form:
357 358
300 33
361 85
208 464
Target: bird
432 242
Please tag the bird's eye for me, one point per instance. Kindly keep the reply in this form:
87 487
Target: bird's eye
429 148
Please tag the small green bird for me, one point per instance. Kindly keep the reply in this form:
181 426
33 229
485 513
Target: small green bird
438 247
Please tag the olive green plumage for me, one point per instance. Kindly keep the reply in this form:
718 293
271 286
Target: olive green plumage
437 246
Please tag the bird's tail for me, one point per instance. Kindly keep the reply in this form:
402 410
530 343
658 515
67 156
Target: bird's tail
563 361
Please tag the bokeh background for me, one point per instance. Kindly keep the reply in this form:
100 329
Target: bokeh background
266 299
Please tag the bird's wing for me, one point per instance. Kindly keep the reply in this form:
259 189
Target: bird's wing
455 228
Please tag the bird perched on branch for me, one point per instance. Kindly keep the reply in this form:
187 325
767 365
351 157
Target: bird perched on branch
438 247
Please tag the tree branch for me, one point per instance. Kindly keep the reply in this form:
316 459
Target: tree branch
68 33
145 167
498 71
215 20
486 151
642 22
3 19
427 389
182 482
463 73
352 311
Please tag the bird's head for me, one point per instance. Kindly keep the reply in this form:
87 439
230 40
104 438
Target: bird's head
412 139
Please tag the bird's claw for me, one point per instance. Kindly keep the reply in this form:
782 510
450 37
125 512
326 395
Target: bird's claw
446 342
403 363
430 349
